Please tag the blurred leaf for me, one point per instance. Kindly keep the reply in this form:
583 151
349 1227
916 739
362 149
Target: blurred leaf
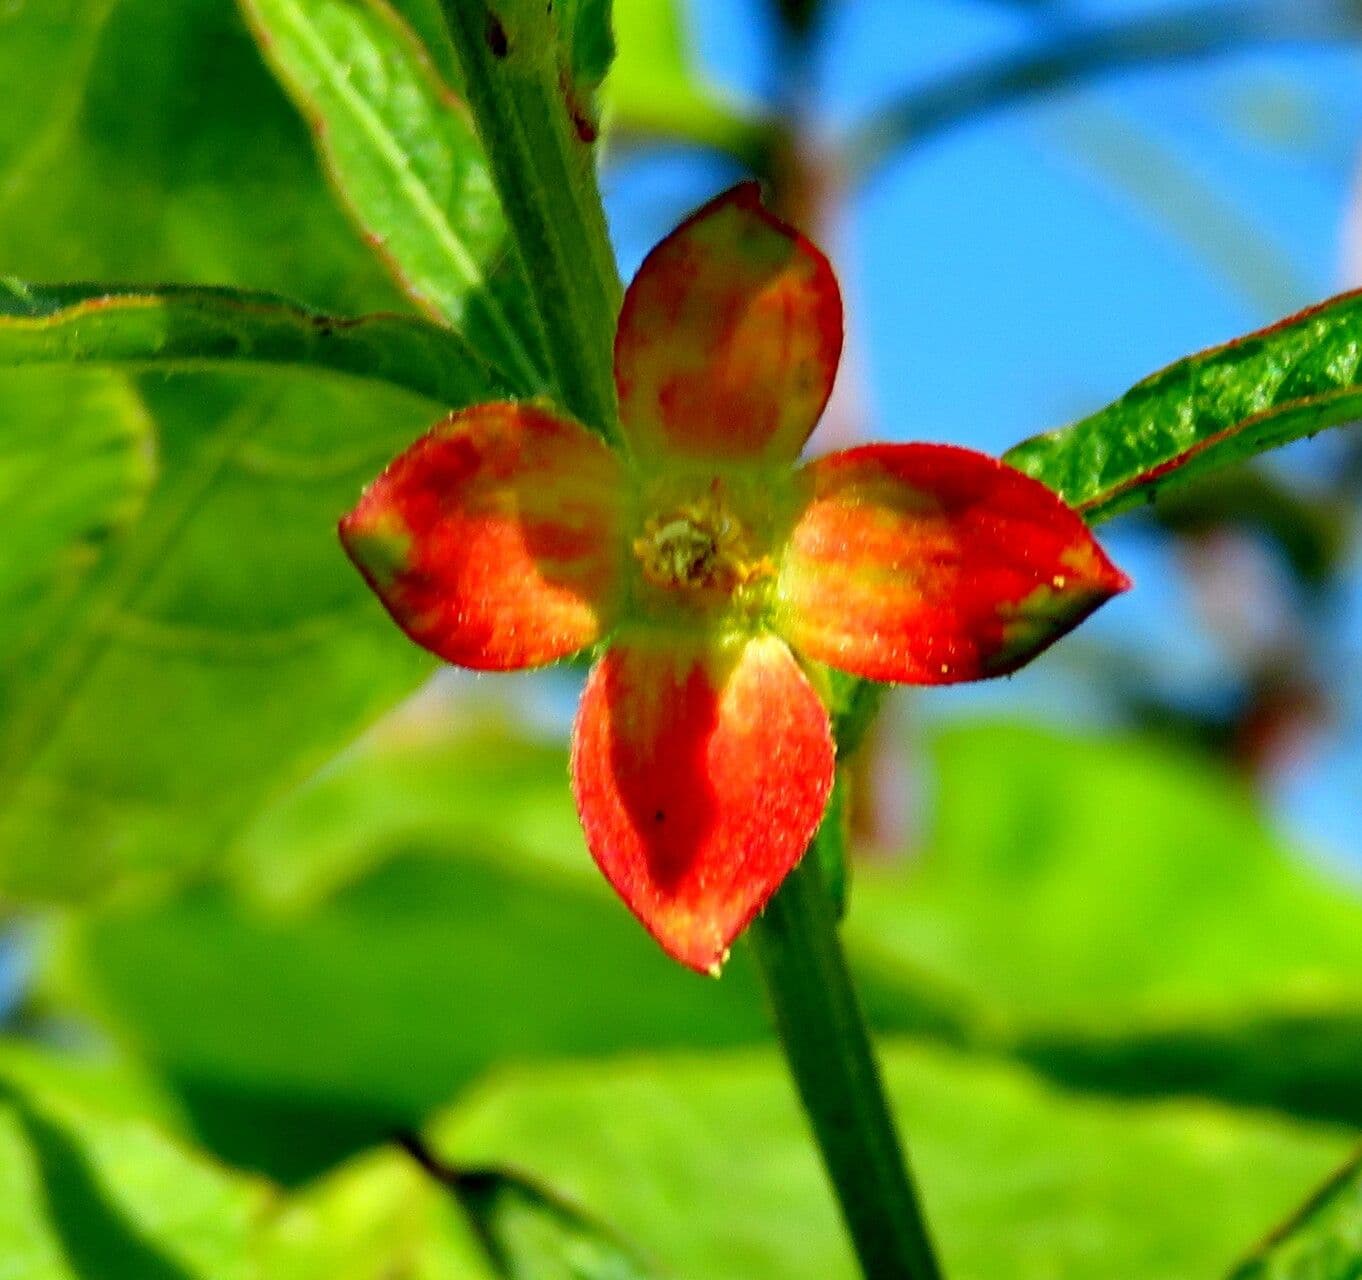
379 1217
1113 913
167 152
427 776
86 1191
708 1165
92 1188
195 644
655 89
1208 411
1080 54
531 1233
57 517
1120 914
1309 530
1321 1241
217 647
587 32
465 937
196 328
95 1081
1117 148
51 43
1076 877
406 159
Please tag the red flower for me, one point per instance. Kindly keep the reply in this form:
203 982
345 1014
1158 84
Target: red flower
701 559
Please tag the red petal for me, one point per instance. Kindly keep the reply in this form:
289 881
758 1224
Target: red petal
729 337
701 776
495 541
930 564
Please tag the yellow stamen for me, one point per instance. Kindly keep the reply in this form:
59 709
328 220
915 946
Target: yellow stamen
701 546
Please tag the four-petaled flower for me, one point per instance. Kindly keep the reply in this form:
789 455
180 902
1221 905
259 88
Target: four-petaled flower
702 560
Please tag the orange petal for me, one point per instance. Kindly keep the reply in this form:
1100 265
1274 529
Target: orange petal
929 564
729 337
701 775
496 540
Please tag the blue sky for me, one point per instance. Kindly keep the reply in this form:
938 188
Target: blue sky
1027 268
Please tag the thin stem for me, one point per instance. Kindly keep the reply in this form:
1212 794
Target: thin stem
545 175
828 1048
1077 57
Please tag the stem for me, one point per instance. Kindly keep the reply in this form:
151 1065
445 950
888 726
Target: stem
1077 58
828 1048
545 174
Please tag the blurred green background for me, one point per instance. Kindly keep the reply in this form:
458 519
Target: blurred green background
276 892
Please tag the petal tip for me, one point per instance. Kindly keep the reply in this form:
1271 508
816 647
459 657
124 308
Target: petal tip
753 320
700 779
492 541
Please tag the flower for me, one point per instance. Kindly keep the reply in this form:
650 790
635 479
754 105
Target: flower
700 560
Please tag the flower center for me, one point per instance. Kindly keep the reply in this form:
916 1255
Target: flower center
700 546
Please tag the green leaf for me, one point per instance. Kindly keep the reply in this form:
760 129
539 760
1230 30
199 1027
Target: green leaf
427 24
1120 914
165 152
190 328
93 1184
656 91
708 1165
406 159
1208 411
86 1190
216 648
196 642
1078 877
461 891
529 1232
58 517
1321 1241
588 37
378 1217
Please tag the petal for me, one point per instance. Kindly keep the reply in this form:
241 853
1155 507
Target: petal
701 775
496 540
930 564
729 337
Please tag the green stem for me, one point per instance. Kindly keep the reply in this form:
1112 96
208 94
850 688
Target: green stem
830 1055
545 175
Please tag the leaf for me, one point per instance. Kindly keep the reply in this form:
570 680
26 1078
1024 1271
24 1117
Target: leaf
707 1164
87 1191
378 1217
587 33
467 893
1211 410
196 643
1119 914
655 89
529 1232
406 160
167 152
93 1183
427 24
217 647
197 328
1078 55
1321 1241
58 517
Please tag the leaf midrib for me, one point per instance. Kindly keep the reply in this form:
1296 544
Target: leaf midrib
419 194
